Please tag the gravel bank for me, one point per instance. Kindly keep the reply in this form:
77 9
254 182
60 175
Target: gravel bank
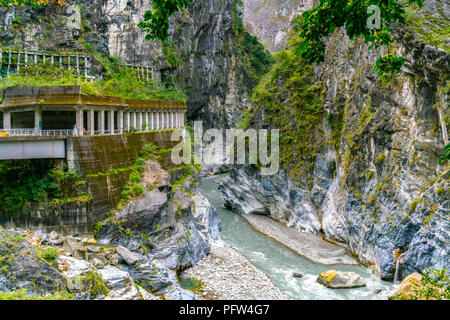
306 245
228 275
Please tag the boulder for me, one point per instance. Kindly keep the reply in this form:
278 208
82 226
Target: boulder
341 280
129 257
119 283
406 287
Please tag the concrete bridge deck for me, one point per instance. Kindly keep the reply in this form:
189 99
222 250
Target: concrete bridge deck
41 110
38 121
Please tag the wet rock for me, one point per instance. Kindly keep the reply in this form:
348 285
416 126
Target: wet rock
247 192
297 275
339 279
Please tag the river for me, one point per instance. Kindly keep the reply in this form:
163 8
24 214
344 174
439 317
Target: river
280 263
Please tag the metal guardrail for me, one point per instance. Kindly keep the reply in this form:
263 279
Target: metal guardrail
36 133
61 132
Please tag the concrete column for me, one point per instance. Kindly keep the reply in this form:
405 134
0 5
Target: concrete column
128 120
101 122
120 119
177 119
90 122
79 122
38 118
173 119
166 122
157 120
139 120
134 118
152 121
147 121
6 120
111 125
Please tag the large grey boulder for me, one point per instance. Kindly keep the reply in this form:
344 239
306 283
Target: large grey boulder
128 256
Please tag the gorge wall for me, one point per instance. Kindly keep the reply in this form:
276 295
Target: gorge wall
371 180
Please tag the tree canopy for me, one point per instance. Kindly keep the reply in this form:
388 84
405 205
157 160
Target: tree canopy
353 15
156 22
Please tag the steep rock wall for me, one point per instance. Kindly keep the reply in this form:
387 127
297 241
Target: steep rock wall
375 184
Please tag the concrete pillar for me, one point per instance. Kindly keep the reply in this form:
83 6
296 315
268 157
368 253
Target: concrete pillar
101 121
177 119
6 120
128 120
147 121
173 119
111 124
139 120
37 118
157 120
90 122
79 122
166 121
152 121
134 120
120 120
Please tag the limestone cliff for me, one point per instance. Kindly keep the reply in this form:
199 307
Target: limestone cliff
371 180
270 20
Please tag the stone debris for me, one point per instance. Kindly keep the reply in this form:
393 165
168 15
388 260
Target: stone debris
228 275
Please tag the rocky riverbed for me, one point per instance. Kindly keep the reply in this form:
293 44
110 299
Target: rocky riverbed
225 274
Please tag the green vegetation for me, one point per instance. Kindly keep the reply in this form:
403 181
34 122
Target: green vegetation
293 103
156 22
133 188
255 60
330 15
50 255
95 284
445 158
37 181
21 294
435 285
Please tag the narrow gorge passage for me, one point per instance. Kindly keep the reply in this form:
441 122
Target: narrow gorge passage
280 263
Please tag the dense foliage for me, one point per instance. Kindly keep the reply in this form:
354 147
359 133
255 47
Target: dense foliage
35 181
156 22
293 103
435 285
255 60
445 158
353 15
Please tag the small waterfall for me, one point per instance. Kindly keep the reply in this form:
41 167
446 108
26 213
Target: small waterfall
397 267
443 127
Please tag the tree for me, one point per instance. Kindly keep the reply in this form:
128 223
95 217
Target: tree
354 16
156 22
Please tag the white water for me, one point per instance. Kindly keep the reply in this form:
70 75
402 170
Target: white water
280 263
